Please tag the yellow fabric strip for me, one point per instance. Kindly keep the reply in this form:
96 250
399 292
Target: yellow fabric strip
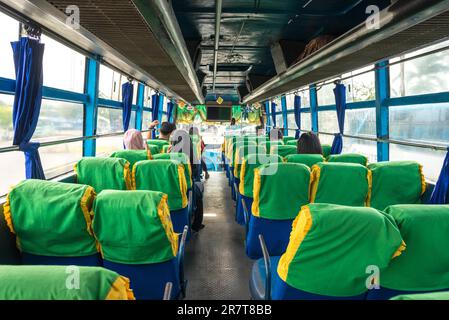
401 249
314 181
127 176
256 191
242 178
7 214
370 188
183 185
236 163
133 178
301 227
423 181
164 215
86 206
149 155
120 290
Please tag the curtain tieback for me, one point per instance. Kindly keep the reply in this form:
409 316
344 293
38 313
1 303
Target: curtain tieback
29 146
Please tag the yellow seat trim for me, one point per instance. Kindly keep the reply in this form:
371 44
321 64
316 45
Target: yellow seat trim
255 210
369 177
242 178
300 228
128 177
314 181
163 212
120 290
7 214
149 154
87 201
423 180
183 185
133 178
401 249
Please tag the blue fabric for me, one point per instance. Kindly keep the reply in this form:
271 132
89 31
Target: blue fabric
180 219
170 108
386 294
155 110
127 99
340 103
148 281
240 214
297 107
267 110
273 114
161 107
233 194
28 55
275 232
258 277
440 194
37 260
238 205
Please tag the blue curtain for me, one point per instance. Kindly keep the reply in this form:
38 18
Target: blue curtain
155 110
273 114
340 103
161 107
440 194
28 54
127 99
170 108
297 106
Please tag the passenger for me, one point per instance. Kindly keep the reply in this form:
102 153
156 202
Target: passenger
309 143
166 130
233 122
151 128
133 140
182 142
194 131
277 134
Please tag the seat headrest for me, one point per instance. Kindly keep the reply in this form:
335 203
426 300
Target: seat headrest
308 159
133 156
349 158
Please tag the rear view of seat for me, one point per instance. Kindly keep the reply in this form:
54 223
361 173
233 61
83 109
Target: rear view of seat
133 156
349 158
326 150
52 223
308 159
279 192
340 183
284 151
137 240
165 176
330 250
104 173
397 182
54 283
158 143
424 265
181 158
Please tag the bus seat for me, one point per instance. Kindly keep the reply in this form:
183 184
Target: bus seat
137 240
165 176
181 158
133 156
52 223
424 265
349 158
52 283
292 143
308 159
340 183
280 189
288 139
165 148
329 251
284 151
154 150
158 143
396 182
104 173
443 295
326 150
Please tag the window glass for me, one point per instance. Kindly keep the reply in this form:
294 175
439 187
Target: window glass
61 158
10 32
327 121
432 161
13 170
6 130
290 101
360 88
291 122
326 139
59 120
278 102
279 121
146 120
107 146
361 122
424 123
132 121
110 85
305 98
136 88
306 121
360 146
64 68
423 75
326 95
109 121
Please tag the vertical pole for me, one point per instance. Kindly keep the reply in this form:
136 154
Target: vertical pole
284 114
91 107
314 107
140 104
382 76
267 110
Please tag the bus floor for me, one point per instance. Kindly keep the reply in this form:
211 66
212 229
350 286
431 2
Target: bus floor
216 266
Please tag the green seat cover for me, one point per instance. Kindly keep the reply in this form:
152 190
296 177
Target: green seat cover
181 158
154 150
326 150
159 143
165 176
134 227
340 183
132 156
250 163
288 139
348 158
51 218
104 173
424 265
332 246
292 143
308 159
244 149
396 182
280 189
270 144
424 296
284 151
62 283
165 148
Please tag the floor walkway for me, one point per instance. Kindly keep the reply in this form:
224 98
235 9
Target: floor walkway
216 265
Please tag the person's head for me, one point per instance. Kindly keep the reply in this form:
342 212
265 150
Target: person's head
277 134
193 131
260 130
233 122
166 130
309 143
133 140
182 143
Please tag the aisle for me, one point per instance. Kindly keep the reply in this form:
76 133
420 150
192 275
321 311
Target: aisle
216 265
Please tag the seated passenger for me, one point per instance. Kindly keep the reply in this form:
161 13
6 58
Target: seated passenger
133 140
166 130
309 143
